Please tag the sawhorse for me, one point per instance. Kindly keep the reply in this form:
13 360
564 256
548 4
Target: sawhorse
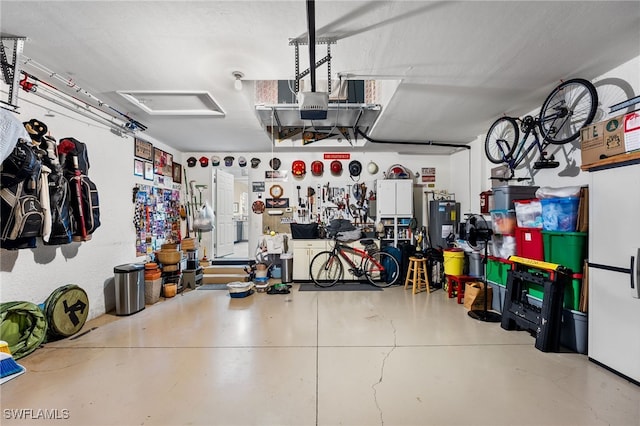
544 322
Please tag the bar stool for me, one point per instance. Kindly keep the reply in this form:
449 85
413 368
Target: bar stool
459 281
417 275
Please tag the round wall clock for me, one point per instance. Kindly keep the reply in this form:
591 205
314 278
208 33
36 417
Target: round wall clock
276 191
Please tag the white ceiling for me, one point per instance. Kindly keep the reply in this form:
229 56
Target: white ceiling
461 64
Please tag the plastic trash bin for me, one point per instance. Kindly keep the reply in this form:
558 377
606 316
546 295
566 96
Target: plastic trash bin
286 267
129 288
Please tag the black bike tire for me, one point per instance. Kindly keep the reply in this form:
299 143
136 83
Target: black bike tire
323 257
497 131
379 256
585 117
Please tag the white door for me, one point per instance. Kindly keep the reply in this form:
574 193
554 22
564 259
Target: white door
224 213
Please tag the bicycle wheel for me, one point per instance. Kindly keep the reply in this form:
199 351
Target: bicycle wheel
501 140
382 269
570 106
325 269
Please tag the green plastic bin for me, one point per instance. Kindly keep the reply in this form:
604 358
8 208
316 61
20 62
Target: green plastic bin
571 299
497 269
568 249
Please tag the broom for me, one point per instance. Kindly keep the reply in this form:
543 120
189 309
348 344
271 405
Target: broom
8 366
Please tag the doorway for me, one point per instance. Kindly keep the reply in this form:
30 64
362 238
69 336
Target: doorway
238 198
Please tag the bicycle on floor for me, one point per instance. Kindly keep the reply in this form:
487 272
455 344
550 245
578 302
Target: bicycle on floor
379 268
568 108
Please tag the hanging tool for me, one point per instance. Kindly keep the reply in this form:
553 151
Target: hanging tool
188 210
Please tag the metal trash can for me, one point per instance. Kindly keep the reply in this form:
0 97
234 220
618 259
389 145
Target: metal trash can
129 288
286 266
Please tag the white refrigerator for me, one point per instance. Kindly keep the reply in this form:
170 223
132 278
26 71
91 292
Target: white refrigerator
614 270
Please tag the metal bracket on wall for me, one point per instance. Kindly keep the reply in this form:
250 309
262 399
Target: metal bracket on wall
11 70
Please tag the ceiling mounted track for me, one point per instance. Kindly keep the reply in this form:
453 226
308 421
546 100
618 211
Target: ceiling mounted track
11 69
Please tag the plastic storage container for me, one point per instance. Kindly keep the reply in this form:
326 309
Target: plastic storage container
560 214
571 297
503 246
130 288
497 270
504 196
574 330
529 243
528 213
503 221
568 249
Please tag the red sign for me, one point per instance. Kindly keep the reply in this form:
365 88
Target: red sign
337 156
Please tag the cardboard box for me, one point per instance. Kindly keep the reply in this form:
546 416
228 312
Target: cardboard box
474 296
602 140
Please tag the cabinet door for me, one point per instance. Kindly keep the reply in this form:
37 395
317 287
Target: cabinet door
404 197
303 253
386 197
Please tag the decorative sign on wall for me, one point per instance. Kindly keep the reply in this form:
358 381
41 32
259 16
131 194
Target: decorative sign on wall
428 174
257 186
276 174
337 156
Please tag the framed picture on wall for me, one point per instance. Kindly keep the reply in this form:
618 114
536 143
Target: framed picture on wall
177 173
138 167
143 149
168 165
148 170
159 161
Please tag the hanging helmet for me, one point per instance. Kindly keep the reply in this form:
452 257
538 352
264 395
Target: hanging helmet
372 168
355 168
336 167
398 171
298 168
274 163
317 168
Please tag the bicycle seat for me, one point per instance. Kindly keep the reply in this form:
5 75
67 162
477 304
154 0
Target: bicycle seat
366 241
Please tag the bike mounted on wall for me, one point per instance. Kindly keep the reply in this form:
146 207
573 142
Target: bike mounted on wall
568 108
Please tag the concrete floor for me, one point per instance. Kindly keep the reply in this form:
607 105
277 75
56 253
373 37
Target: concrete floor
311 358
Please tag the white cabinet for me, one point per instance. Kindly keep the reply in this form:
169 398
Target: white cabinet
303 253
394 197
395 209
305 250
614 248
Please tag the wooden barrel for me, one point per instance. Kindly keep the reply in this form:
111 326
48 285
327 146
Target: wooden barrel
66 310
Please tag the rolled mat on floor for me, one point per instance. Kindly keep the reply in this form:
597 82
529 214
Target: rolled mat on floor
23 326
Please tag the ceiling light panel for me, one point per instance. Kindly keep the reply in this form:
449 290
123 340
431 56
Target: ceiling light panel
164 102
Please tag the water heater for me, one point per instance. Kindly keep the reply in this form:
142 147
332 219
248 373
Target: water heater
444 218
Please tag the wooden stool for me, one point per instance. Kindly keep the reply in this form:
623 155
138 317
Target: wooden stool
417 275
460 281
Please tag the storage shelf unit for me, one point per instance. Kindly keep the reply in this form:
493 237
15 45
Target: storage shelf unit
395 209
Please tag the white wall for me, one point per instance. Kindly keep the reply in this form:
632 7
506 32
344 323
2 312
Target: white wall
32 274
384 160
